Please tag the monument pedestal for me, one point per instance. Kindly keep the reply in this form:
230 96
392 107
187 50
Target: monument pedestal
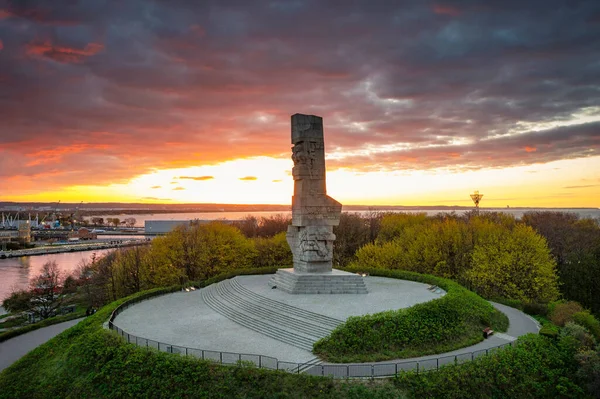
332 282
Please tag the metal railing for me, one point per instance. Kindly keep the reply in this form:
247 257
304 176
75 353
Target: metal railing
362 370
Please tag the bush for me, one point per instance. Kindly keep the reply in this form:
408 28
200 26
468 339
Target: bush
450 322
581 335
563 312
549 330
535 308
535 367
588 321
589 371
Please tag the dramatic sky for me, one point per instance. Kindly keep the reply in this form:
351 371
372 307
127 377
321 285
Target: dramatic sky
190 101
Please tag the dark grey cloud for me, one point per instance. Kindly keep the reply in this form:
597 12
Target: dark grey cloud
160 84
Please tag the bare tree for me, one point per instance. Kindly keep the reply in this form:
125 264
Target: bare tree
46 291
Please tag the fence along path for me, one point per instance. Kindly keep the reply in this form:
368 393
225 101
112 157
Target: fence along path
314 366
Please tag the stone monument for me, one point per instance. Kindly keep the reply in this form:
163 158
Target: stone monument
314 214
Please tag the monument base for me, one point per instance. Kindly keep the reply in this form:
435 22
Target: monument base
333 282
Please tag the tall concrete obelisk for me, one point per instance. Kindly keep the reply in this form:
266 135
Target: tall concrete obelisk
314 214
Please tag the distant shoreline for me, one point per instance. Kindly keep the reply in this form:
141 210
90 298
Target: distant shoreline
93 209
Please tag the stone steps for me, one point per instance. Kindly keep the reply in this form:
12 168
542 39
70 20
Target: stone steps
285 323
212 299
280 306
265 313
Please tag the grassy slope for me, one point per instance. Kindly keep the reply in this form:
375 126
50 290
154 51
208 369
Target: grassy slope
454 321
88 361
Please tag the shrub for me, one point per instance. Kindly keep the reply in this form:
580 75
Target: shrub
535 308
549 330
452 321
588 320
535 367
563 312
585 340
589 371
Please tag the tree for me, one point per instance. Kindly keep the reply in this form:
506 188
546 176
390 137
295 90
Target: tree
273 251
575 244
18 301
98 221
46 291
130 221
513 264
115 221
352 233
202 251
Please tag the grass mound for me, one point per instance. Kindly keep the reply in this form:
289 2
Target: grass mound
88 361
453 321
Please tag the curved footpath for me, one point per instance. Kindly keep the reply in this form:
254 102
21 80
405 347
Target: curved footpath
13 349
244 315
520 324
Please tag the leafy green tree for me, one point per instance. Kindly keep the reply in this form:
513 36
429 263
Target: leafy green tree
273 251
575 244
513 264
202 251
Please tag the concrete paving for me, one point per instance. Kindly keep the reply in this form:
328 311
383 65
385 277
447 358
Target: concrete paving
17 347
184 319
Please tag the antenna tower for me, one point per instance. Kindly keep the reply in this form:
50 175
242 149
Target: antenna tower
476 197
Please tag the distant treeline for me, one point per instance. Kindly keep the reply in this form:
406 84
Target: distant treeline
538 258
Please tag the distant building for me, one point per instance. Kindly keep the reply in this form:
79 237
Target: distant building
166 226
82 234
24 232
163 226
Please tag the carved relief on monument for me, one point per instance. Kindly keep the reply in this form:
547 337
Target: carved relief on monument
313 212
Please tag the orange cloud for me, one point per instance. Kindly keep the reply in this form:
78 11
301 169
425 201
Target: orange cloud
446 10
248 178
530 149
198 178
62 54
4 14
155 187
178 189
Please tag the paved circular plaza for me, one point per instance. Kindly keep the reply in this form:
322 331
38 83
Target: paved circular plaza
245 315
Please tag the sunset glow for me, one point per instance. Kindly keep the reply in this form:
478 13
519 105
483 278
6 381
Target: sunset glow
185 102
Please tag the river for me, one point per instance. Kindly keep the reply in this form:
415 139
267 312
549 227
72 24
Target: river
15 273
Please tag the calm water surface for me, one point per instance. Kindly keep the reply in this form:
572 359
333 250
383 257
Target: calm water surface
15 273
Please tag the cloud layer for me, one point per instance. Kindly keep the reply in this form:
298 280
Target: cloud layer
104 91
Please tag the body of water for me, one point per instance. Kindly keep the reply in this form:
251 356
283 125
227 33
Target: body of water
141 218
15 273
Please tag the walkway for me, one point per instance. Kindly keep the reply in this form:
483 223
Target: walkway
15 348
244 315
